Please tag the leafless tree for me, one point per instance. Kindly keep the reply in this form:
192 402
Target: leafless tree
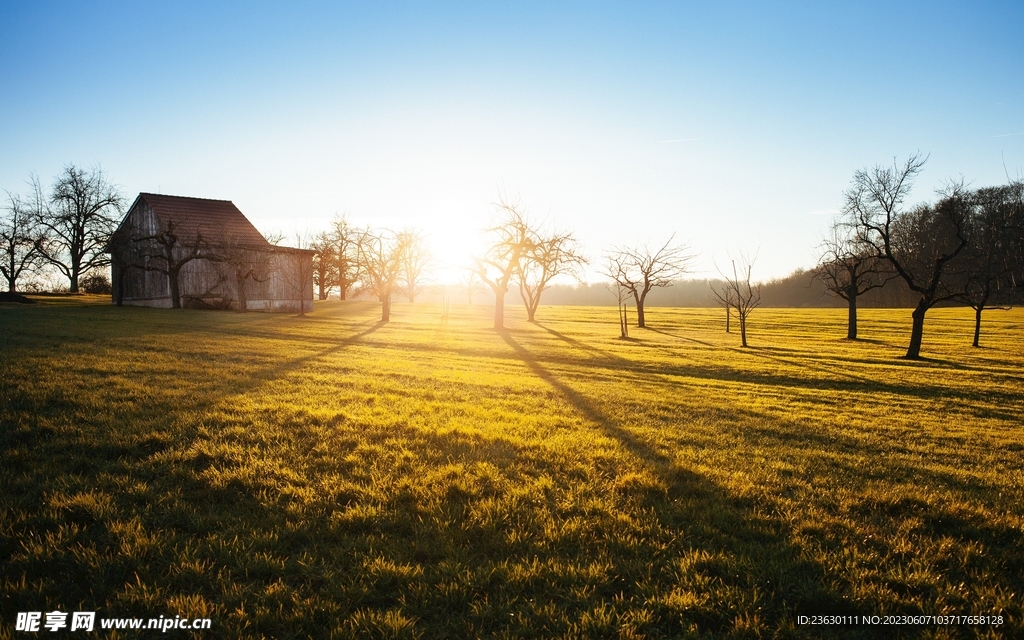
994 254
346 238
22 240
297 269
638 270
416 259
325 263
723 294
550 256
84 209
849 269
622 304
470 283
245 264
381 255
742 293
165 253
511 239
920 244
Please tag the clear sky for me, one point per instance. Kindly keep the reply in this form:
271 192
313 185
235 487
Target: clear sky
736 126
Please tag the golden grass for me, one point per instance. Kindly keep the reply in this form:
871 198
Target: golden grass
329 476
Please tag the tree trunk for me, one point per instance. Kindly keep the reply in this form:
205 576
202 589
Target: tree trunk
531 311
73 287
743 329
914 349
851 318
499 309
172 279
977 324
242 302
728 319
641 321
385 309
323 291
342 288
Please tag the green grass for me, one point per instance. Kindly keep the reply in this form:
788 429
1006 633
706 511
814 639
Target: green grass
329 476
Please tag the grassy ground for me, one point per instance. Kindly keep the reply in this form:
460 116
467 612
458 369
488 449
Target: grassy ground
329 476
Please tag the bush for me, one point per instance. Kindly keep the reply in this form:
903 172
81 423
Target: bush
95 283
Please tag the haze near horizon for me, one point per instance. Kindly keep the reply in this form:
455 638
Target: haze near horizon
736 127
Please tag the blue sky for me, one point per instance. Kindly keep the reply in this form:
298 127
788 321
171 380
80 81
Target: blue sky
734 125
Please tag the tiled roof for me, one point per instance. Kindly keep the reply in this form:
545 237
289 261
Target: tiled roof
216 220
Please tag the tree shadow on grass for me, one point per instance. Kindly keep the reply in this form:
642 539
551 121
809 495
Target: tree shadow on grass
711 520
680 337
768 379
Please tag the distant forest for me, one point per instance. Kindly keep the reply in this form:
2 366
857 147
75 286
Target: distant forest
799 289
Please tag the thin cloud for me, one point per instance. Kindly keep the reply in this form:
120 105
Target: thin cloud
1008 135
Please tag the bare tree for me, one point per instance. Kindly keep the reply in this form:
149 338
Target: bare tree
346 238
551 256
325 263
723 294
743 295
512 238
165 253
638 270
83 212
849 269
622 300
22 240
470 282
297 269
416 260
245 264
920 244
381 255
994 254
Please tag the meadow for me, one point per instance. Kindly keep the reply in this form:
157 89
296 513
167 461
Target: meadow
330 476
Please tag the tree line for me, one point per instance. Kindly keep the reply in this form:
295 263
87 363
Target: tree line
966 247
64 228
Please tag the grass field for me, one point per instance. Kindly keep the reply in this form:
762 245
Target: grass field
329 476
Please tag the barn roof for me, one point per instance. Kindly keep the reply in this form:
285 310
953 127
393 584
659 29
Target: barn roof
216 220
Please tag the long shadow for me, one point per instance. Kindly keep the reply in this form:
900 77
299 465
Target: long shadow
296 363
606 355
679 337
711 519
729 374
298 558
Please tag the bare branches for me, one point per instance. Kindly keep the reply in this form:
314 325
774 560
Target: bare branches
511 239
416 259
247 264
84 211
381 256
325 263
848 267
346 238
739 293
921 244
22 240
164 253
548 257
638 270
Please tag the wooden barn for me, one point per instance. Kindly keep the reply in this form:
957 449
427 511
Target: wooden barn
172 251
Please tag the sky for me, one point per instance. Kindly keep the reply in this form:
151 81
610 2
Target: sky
734 126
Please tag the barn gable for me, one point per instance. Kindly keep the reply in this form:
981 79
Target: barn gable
206 254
